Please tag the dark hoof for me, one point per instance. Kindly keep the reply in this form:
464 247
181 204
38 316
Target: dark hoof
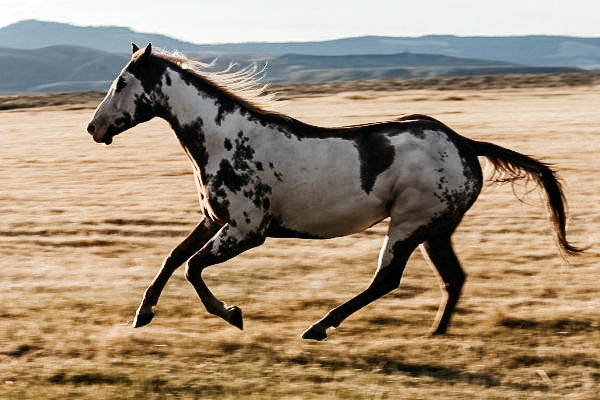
142 319
314 334
235 317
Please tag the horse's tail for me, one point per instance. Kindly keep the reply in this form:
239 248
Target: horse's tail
510 166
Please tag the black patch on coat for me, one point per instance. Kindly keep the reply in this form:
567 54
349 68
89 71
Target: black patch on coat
220 207
144 109
228 145
260 197
276 173
266 203
225 106
120 84
242 157
192 139
229 177
230 246
149 71
418 131
238 174
244 153
376 154
277 230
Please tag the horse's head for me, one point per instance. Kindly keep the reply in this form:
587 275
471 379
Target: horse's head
132 97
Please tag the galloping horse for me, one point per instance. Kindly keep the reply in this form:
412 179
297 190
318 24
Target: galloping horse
263 174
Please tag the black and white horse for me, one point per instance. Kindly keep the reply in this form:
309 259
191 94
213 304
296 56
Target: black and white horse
263 174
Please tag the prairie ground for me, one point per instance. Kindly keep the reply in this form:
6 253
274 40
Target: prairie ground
85 227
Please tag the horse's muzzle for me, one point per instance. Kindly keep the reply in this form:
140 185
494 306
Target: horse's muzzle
106 138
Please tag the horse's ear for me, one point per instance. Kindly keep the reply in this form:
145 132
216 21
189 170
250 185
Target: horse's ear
134 48
147 51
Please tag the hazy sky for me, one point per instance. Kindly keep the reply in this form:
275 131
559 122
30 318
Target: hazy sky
279 20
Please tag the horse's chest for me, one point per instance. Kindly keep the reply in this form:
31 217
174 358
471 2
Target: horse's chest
227 189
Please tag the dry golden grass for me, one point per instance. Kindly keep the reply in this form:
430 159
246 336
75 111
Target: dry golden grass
85 227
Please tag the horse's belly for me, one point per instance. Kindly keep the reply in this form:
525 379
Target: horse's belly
326 220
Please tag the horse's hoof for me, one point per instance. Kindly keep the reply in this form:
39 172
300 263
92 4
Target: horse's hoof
314 334
235 317
142 319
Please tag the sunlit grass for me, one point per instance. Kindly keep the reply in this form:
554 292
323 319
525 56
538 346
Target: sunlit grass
81 238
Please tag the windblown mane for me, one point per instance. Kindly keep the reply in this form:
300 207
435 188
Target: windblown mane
244 83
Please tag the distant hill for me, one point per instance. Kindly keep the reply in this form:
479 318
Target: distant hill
37 56
525 50
33 34
72 68
314 68
57 69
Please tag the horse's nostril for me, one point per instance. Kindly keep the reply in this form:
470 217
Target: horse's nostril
91 128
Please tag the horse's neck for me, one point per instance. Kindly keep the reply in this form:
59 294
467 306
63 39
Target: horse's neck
198 119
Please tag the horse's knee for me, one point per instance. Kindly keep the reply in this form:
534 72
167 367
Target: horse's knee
387 279
193 269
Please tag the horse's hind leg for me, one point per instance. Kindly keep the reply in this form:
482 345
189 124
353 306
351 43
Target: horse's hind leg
392 260
441 255
201 234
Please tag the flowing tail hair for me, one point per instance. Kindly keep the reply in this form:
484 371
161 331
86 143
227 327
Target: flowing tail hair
512 166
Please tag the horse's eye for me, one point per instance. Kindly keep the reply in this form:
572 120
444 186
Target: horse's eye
120 84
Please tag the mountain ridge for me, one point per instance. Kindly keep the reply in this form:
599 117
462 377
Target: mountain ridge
74 68
88 58
532 50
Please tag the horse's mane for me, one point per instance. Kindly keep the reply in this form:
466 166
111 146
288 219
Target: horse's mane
241 83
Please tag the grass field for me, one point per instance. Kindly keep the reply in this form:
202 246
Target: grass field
84 228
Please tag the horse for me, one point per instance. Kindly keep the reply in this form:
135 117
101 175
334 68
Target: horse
260 173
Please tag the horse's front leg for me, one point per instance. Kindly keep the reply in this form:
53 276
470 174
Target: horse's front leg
201 234
227 243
